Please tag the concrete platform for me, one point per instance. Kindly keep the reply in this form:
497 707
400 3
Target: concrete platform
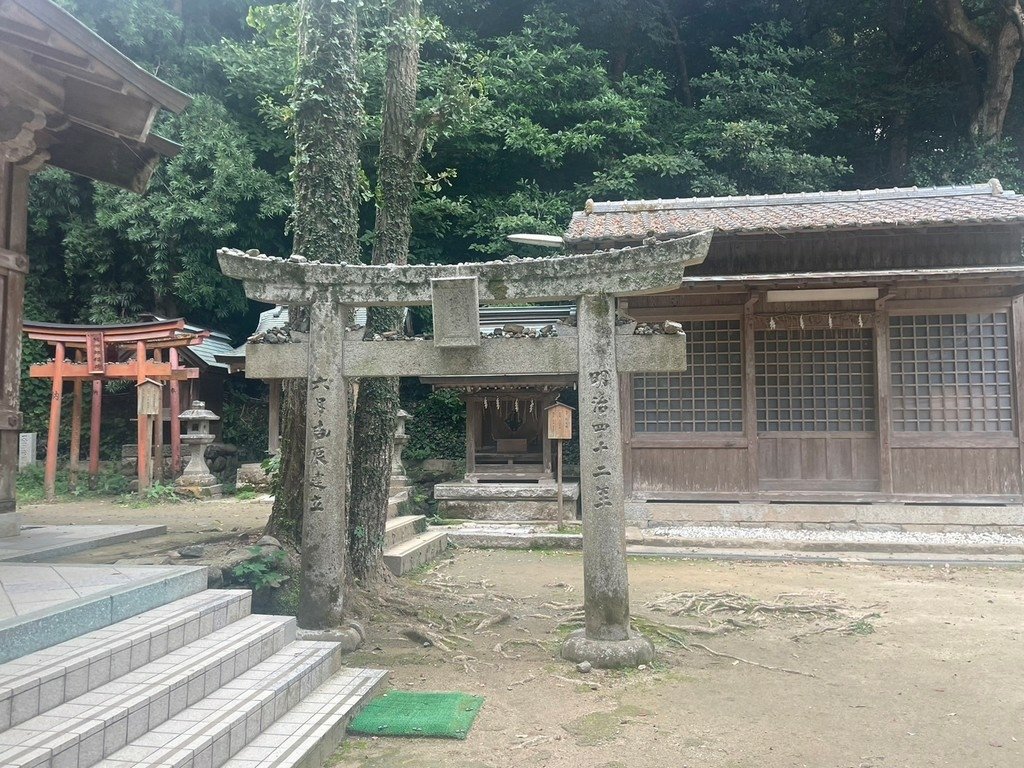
761 543
505 501
36 543
45 604
860 516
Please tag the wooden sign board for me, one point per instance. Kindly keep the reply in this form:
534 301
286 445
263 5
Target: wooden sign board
149 398
560 421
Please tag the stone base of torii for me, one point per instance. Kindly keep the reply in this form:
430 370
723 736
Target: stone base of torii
596 353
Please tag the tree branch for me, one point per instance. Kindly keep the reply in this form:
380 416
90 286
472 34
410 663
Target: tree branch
954 18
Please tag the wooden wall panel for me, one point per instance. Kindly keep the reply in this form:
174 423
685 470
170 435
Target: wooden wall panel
682 470
959 471
833 460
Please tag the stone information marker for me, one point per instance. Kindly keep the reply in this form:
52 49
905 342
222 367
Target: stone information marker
598 352
26 449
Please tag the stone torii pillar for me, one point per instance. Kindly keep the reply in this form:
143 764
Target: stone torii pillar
597 353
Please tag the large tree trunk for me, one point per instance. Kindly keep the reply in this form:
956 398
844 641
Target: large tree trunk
328 123
285 521
377 402
1000 47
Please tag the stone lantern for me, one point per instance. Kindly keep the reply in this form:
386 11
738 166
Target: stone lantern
197 480
399 481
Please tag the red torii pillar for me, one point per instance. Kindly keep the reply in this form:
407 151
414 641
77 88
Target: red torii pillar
95 340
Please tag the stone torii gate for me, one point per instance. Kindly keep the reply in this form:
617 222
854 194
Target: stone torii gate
593 351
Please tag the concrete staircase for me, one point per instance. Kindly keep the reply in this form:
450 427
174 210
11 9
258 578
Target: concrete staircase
198 683
408 543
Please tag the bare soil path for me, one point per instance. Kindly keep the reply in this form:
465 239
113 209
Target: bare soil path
188 522
935 680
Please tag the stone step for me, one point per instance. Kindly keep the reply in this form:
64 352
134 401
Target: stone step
230 718
399 530
47 678
307 735
138 589
98 723
417 551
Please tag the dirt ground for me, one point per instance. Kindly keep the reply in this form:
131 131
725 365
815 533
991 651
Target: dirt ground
912 668
188 522
934 680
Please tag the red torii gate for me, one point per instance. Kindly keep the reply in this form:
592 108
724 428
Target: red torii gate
97 358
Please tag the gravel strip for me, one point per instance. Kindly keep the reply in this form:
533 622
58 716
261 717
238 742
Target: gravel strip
719 532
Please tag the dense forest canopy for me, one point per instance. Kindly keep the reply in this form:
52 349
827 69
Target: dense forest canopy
535 107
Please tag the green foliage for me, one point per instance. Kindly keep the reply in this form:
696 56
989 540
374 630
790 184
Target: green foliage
757 118
109 482
438 428
272 467
262 570
244 421
159 493
967 162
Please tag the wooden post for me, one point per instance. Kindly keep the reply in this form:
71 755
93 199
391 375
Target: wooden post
13 269
94 432
158 429
1017 321
274 418
558 426
53 434
143 434
76 427
561 512
750 393
175 410
545 438
472 405
882 396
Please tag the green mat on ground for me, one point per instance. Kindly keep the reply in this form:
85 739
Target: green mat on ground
405 713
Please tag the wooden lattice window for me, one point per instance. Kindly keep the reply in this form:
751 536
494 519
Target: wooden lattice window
815 381
951 373
707 396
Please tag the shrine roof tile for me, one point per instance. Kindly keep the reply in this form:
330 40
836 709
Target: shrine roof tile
628 221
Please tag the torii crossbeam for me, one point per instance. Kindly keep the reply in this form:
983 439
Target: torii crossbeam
595 353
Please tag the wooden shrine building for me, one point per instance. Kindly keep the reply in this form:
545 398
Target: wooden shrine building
70 100
98 353
843 347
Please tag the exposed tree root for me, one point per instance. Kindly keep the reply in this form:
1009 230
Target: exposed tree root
719 654
492 621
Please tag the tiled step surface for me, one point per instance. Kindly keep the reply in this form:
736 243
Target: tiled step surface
399 530
136 589
47 678
417 551
100 722
196 683
311 730
231 717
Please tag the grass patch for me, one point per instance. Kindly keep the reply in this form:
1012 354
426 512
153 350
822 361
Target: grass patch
30 484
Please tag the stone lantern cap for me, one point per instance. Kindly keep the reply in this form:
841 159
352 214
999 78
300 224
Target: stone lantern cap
198 412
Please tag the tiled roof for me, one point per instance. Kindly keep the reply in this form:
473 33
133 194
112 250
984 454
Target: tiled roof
209 349
633 220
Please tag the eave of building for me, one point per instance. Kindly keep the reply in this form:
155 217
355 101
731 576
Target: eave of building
998 275
90 108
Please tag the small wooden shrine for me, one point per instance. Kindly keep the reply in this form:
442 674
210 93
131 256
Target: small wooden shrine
99 353
506 433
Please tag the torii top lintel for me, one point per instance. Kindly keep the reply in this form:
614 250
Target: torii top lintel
649 268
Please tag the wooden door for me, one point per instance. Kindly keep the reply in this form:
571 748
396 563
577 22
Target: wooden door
816 409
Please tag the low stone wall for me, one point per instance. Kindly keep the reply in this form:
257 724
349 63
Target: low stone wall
222 458
832 517
505 501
